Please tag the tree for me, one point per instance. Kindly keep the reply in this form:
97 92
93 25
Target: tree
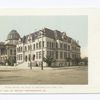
85 60
49 60
10 61
77 61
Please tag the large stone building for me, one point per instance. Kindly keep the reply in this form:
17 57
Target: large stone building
34 47
8 48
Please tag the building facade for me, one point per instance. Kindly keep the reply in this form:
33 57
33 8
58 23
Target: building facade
8 48
34 47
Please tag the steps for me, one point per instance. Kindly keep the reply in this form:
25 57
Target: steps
24 65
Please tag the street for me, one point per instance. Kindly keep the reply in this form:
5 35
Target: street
77 75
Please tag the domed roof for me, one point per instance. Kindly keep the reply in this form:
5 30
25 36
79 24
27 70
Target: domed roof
13 35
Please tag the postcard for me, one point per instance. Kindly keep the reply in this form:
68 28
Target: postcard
49 50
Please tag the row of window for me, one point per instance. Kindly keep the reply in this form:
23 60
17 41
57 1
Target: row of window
19 57
3 52
29 47
75 49
61 45
62 55
30 57
49 45
3 58
39 55
12 52
75 55
56 55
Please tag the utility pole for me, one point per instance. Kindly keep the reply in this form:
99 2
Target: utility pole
30 53
42 50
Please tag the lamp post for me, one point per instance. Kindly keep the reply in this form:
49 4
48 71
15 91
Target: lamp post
42 49
30 53
23 41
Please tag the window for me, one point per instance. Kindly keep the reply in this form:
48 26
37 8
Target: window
11 52
36 45
26 58
52 45
29 57
68 47
43 53
43 44
17 57
56 45
64 46
40 55
68 55
61 55
52 54
25 48
33 46
28 47
21 57
65 55
33 57
47 44
69 40
36 55
40 45
14 52
56 54
20 49
47 53
61 45
17 49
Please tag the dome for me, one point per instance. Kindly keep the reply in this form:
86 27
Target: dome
13 35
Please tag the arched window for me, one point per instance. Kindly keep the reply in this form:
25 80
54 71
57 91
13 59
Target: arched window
25 48
11 52
56 45
36 45
29 57
33 57
25 58
43 44
40 45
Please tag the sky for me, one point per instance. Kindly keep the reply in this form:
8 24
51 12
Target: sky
75 26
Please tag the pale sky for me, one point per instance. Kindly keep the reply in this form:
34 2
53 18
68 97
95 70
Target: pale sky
75 26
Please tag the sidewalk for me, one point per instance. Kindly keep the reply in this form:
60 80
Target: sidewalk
39 68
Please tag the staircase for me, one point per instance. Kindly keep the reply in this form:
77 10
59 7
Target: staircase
23 65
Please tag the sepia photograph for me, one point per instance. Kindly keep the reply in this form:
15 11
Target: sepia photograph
44 50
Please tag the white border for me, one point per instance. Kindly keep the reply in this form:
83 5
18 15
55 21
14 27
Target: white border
93 51
48 3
